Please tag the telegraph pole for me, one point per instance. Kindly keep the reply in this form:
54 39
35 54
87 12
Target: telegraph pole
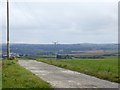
8 42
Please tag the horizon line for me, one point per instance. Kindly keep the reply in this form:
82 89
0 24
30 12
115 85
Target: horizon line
61 43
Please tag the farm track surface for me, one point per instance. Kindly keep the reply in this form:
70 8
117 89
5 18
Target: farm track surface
63 78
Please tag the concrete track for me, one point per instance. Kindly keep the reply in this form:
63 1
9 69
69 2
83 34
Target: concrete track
63 78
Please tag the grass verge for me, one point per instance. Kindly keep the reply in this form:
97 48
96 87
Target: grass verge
15 76
106 68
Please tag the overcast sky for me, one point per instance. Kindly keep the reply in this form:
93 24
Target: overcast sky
68 21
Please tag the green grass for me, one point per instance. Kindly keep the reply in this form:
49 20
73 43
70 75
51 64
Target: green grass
106 68
0 74
15 76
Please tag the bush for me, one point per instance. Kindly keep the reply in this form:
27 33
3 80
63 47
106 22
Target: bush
12 58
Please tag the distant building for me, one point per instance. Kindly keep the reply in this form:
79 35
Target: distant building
11 55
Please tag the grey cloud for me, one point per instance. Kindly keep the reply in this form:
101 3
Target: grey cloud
63 21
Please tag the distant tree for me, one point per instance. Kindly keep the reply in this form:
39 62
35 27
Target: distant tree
59 56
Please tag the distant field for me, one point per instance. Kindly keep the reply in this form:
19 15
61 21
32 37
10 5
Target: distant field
94 52
15 76
106 68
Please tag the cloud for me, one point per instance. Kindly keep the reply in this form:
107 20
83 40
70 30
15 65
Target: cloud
33 22
58 1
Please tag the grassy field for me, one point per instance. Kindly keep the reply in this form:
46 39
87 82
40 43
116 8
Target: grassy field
15 76
106 68
0 74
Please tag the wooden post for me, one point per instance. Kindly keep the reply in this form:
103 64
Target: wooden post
8 44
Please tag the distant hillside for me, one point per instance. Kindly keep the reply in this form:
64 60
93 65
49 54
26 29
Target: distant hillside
32 49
